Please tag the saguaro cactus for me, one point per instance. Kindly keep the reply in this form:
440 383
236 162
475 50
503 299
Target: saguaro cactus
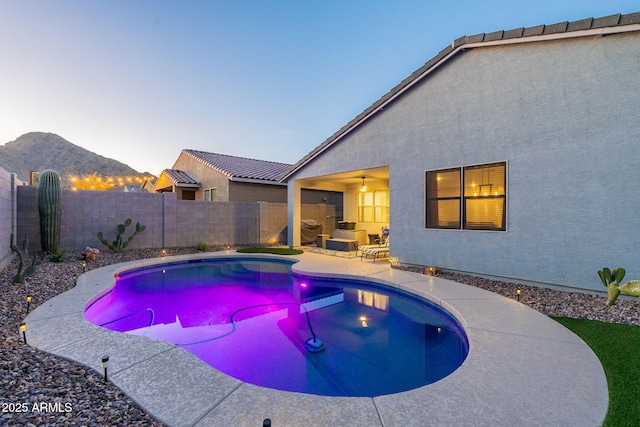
49 205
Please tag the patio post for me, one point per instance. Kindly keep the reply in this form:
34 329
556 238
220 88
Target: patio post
293 208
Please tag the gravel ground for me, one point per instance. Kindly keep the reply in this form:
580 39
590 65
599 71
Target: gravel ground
40 389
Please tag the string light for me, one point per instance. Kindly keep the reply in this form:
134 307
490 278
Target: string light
97 182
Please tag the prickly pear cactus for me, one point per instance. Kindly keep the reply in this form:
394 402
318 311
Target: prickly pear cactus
119 244
612 293
631 288
49 205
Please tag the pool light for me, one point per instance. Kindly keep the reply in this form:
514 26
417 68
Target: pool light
363 321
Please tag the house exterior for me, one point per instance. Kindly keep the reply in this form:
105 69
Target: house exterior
513 154
200 175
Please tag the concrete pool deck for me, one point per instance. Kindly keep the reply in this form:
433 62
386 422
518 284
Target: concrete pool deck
523 369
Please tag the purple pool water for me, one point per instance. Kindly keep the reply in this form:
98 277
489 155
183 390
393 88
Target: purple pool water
250 318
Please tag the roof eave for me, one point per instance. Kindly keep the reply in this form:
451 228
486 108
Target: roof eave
206 163
257 181
462 44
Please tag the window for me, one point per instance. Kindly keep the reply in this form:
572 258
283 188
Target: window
188 194
469 198
373 206
210 195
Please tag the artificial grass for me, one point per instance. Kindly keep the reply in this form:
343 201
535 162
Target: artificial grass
276 251
618 347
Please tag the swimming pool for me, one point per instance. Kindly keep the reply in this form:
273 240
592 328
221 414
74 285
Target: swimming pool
251 318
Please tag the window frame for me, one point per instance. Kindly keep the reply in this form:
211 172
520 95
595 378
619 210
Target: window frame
209 190
463 199
375 208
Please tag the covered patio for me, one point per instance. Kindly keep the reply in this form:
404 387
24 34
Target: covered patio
366 199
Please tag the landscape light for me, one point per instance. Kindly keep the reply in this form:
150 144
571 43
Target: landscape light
23 329
518 294
28 303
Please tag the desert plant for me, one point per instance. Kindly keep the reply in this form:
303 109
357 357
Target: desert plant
50 208
202 246
607 276
119 244
23 256
611 280
58 256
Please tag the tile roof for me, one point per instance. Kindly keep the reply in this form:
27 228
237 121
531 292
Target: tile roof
241 167
589 26
180 177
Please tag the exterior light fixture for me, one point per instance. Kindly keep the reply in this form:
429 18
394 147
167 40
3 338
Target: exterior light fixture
364 187
164 252
84 266
394 261
23 329
28 303
518 294
266 422
105 363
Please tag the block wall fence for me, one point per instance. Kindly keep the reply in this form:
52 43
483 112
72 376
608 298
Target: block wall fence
169 222
8 226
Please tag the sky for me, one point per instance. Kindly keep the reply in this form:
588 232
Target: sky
141 80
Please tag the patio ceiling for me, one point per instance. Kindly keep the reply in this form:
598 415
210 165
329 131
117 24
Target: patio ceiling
341 181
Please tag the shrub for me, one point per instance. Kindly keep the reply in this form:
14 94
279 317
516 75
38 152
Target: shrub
202 246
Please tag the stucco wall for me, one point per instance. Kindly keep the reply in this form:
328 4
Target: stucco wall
248 192
565 117
207 176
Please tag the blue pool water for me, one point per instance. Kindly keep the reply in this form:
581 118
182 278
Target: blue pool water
250 318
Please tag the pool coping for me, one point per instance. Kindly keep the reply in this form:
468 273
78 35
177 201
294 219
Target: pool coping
523 368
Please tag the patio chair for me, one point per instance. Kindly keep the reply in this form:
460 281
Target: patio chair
376 251
379 242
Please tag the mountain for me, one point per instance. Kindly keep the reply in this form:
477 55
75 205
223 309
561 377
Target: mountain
38 151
